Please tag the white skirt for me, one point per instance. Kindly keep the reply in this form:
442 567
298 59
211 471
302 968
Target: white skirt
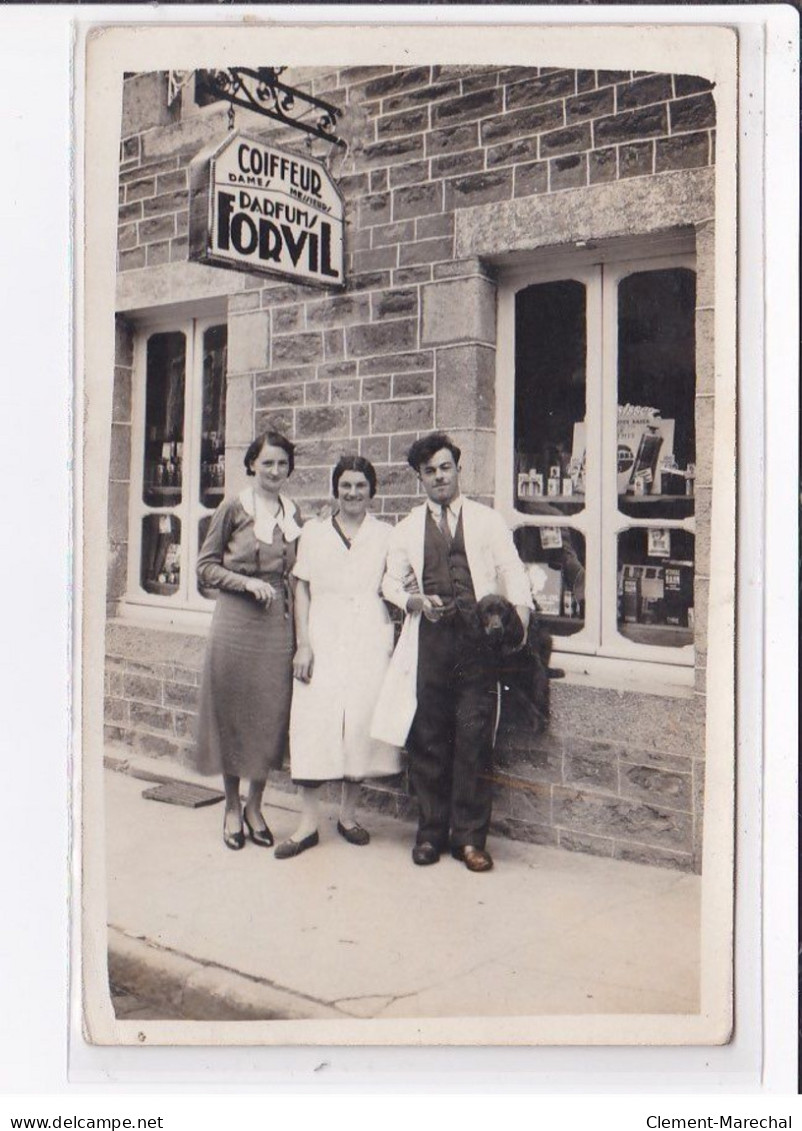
352 641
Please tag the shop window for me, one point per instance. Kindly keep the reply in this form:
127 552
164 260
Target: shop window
550 353
178 457
596 451
655 586
164 419
656 371
554 559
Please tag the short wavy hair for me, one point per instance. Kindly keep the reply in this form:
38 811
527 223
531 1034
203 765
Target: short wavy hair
427 446
353 463
275 440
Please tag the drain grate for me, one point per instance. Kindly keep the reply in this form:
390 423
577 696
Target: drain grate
183 793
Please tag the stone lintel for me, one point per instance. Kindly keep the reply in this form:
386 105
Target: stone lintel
603 211
177 286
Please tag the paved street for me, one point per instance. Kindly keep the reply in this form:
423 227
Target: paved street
197 931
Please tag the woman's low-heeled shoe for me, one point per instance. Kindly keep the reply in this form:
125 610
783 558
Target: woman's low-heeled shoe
354 834
234 841
262 837
290 848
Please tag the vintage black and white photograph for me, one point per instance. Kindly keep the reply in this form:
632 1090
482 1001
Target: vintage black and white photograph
409 515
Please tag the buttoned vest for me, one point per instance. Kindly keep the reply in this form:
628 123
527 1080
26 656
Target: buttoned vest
445 568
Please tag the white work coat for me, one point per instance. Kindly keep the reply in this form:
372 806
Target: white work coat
351 637
495 568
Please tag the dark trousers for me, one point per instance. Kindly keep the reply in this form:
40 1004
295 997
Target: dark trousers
451 741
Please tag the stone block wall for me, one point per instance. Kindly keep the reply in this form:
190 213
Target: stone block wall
447 170
617 774
371 368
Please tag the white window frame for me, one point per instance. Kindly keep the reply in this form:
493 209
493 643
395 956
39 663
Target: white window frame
190 511
598 650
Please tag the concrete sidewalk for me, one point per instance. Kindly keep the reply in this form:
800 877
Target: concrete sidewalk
200 932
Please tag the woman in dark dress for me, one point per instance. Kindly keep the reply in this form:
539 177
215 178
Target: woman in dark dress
244 711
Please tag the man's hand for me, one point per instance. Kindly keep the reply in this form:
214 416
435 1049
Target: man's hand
431 607
302 663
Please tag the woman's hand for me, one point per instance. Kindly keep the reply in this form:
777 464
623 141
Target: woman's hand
261 591
411 583
302 663
327 511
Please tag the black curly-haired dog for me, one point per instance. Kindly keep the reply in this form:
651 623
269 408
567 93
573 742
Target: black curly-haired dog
523 671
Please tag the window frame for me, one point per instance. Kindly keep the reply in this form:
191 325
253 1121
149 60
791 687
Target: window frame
598 650
190 511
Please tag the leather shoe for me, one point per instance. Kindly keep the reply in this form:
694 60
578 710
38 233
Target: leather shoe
262 837
425 853
234 841
354 834
474 859
290 848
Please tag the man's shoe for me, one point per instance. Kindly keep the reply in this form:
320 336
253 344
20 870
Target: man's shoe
425 853
474 859
289 848
354 834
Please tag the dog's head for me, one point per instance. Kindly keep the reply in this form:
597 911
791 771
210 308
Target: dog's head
495 615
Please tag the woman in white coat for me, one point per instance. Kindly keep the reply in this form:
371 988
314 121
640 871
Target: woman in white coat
344 640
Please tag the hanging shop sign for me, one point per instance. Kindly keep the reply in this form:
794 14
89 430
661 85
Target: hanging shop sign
257 208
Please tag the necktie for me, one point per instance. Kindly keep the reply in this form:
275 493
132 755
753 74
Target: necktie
442 523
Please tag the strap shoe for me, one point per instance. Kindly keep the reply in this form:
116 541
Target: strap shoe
354 834
290 848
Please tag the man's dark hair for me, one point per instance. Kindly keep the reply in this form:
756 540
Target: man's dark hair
353 463
423 450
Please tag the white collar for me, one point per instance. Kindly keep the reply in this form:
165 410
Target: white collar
455 507
264 524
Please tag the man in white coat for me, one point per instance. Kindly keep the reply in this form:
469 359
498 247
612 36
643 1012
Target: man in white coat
440 696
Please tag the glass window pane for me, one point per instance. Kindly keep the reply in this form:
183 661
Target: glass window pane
160 564
550 354
554 560
213 422
164 419
203 530
656 389
655 586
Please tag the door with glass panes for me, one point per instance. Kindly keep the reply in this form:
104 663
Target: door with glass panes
177 458
596 452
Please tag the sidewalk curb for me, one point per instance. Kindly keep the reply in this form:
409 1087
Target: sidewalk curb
189 989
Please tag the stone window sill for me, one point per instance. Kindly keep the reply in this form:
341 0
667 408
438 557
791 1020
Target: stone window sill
618 675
